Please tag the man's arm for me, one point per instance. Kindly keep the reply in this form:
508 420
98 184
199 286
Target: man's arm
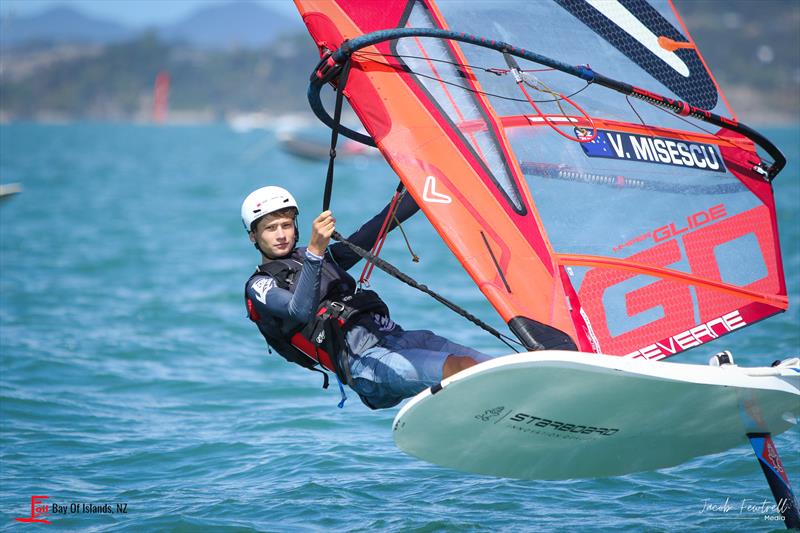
367 234
298 307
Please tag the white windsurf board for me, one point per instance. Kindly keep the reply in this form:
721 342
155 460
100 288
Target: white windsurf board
567 415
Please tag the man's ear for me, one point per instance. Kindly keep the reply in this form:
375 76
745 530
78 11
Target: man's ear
252 236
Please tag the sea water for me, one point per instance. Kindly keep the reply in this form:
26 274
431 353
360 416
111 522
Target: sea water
136 396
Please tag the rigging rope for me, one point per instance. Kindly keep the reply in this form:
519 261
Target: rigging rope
495 71
337 117
541 87
381 238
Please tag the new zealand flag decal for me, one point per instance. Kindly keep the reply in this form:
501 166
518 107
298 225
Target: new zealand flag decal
650 149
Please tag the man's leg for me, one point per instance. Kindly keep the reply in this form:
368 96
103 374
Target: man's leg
456 363
402 365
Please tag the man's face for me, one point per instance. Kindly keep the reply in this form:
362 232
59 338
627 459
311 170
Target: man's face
275 234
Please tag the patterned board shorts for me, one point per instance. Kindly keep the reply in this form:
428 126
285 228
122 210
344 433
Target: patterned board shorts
403 364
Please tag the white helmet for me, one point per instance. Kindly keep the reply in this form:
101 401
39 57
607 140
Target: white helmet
264 201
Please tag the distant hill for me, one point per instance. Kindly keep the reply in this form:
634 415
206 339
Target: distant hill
59 25
235 24
244 57
115 82
221 25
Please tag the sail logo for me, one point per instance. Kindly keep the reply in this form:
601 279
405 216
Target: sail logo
692 337
489 414
651 149
668 231
525 419
431 195
713 274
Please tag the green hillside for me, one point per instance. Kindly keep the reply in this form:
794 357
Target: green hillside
753 49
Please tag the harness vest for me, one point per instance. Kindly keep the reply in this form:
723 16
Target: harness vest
321 341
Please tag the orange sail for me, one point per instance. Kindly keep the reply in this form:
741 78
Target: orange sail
589 223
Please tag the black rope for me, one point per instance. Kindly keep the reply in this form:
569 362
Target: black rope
408 280
337 117
630 104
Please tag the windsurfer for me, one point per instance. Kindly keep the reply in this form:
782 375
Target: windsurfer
307 307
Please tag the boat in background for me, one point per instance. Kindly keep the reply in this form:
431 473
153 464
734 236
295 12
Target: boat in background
8 190
314 144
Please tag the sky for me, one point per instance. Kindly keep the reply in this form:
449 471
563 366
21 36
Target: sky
130 12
